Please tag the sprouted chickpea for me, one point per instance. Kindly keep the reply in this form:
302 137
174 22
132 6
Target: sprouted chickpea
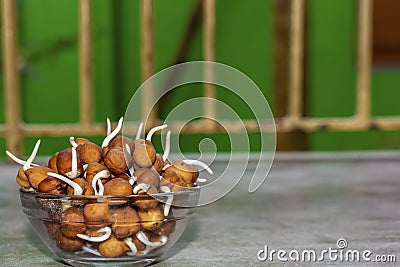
77 189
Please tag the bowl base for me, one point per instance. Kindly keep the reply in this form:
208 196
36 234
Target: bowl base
81 263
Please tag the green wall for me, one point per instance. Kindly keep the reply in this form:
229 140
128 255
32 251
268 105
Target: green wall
332 79
48 40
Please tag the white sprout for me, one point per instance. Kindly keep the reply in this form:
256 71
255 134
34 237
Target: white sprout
139 131
132 180
198 163
101 187
90 250
168 203
155 129
131 246
131 170
146 250
167 146
142 252
201 180
143 238
108 126
74 167
166 166
84 168
143 187
128 149
72 142
29 161
109 137
17 160
97 177
77 189
107 233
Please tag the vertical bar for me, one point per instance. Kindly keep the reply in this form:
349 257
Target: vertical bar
364 60
85 64
293 140
11 76
209 55
147 59
296 60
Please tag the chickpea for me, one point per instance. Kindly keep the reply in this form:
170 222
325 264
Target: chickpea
139 245
171 177
167 228
69 244
146 202
186 172
151 218
158 163
96 213
92 169
51 185
117 187
93 231
126 221
104 152
122 141
21 178
36 175
113 247
153 237
64 163
149 177
144 154
115 161
140 171
124 176
86 188
81 141
52 164
73 222
89 152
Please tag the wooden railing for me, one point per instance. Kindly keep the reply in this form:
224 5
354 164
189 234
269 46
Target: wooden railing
15 129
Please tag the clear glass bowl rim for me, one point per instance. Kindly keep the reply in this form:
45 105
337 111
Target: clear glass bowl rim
192 190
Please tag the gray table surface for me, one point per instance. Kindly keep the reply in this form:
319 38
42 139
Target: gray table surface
309 201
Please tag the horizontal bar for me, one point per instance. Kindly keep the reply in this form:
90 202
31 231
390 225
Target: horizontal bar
338 124
62 129
284 124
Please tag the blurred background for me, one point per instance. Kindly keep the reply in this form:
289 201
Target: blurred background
252 36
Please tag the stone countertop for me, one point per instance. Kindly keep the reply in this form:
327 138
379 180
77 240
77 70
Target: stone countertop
308 202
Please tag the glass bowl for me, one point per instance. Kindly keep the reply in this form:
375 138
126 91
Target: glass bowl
109 230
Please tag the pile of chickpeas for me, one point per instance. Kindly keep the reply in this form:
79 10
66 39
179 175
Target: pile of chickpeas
132 223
